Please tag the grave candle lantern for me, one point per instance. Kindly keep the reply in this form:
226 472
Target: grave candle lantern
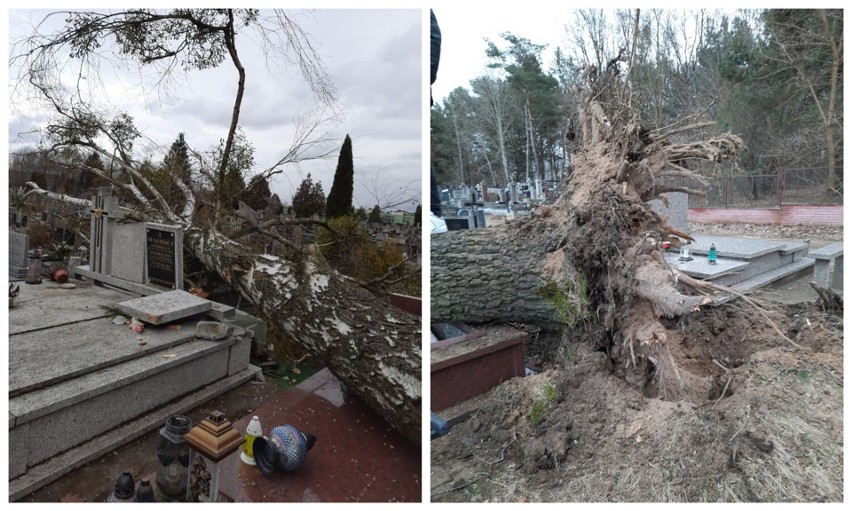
144 493
213 440
252 431
711 255
34 268
124 490
684 253
173 453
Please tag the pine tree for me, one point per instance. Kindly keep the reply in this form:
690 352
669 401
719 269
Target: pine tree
340 198
375 215
177 160
257 193
309 199
418 215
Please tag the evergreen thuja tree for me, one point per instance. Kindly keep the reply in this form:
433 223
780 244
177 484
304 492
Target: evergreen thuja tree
339 201
177 160
309 199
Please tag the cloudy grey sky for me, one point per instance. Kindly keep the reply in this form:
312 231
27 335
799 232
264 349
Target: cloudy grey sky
465 26
374 59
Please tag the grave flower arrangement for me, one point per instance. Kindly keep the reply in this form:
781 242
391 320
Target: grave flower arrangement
61 251
137 326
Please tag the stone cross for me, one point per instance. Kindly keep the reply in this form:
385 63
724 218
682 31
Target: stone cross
104 208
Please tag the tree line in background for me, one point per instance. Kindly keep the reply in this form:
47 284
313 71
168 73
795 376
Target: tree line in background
350 249
775 77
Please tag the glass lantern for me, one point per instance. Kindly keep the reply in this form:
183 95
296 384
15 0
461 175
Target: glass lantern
173 454
34 268
685 254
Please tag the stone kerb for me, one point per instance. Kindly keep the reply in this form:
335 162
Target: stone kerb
823 257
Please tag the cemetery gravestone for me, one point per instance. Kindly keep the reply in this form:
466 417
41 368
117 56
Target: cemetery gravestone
18 246
128 252
164 255
677 212
143 258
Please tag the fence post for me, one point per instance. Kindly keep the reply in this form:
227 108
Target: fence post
781 188
724 191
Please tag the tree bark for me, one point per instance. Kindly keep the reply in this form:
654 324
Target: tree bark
369 345
489 275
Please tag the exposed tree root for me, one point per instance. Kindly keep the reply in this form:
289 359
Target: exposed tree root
831 301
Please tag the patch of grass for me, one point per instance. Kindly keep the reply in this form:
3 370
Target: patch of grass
549 393
286 377
541 408
802 375
570 299
539 412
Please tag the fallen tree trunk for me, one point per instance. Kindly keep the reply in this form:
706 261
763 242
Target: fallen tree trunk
369 345
596 255
488 275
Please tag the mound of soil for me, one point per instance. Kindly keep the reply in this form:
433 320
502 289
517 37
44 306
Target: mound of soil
759 420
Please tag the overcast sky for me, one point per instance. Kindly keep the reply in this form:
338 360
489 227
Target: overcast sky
465 26
377 73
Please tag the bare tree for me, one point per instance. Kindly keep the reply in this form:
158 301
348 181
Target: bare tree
811 43
495 113
389 194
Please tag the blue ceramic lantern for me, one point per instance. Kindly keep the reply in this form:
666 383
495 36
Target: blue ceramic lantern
284 449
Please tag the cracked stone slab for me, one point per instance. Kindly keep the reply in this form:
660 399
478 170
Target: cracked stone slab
165 307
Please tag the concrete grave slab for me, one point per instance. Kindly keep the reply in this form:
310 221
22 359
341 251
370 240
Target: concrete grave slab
43 357
700 269
365 462
42 307
736 248
221 311
100 413
61 464
165 307
467 366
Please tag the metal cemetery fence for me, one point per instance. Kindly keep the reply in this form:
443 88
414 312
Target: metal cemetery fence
788 186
